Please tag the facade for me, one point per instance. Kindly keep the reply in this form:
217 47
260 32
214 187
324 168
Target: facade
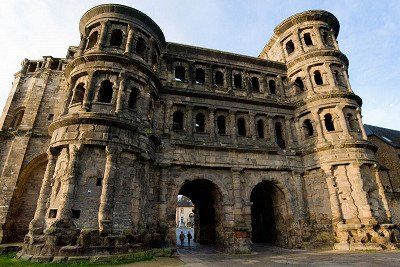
95 147
184 212
388 154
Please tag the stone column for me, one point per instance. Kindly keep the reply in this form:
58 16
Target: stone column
271 130
381 192
129 40
162 213
252 126
37 225
289 132
211 122
69 183
83 43
167 116
318 38
121 95
189 119
70 92
343 122
320 132
308 81
301 212
87 98
329 74
103 35
359 195
346 77
333 195
300 134
361 126
108 189
232 123
237 195
297 40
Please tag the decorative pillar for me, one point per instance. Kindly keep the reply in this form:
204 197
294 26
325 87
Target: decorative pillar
69 183
108 189
320 132
319 41
381 191
83 43
252 126
232 127
329 74
211 124
237 195
167 116
37 225
289 132
343 122
361 126
103 34
189 119
121 94
297 40
310 85
271 130
87 98
129 40
333 195
71 93
346 77
301 212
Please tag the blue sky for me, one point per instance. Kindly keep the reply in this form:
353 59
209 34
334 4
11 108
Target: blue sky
369 36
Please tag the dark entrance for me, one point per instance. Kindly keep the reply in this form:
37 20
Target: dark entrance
207 210
263 217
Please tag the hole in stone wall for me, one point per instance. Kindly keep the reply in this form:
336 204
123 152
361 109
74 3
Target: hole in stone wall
53 213
329 125
79 94
185 220
308 128
99 181
200 76
76 214
133 98
221 124
50 117
289 47
237 81
105 92
177 118
219 78
141 48
200 123
298 83
17 119
255 84
180 72
327 39
241 125
279 135
260 128
318 78
307 39
116 38
54 64
32 67
272 87
94 36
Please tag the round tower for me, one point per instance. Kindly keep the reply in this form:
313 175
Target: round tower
331 134
100 172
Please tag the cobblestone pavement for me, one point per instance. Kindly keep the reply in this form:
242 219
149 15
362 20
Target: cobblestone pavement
274 256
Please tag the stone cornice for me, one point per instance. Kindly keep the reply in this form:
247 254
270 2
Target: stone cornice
318 53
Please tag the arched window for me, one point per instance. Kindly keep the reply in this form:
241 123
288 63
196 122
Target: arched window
105 92
338 77
79 94
133 98
219 78
237 81
141 48
329 125
272 87
180 72
308 128
260 128
318 78
17 119
116 38
177 118
93 37
299 84
200 123
241 125
200 76
327 39
221 124
289 47
353 122
255 84
307 39
279 135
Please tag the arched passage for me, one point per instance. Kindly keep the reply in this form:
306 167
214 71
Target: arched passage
268 211
207 201
24 200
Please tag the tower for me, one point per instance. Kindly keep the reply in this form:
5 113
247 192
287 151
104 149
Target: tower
102 148
331 135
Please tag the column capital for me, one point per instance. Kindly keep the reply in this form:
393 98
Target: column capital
236 170
113 150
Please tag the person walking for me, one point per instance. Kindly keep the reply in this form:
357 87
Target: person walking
189 236
182 238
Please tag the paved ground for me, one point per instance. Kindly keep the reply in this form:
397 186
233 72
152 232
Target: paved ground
185 231
274 256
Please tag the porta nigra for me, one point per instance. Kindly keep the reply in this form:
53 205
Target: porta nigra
96 147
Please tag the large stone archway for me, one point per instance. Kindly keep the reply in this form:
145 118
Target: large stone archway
268 213
207 201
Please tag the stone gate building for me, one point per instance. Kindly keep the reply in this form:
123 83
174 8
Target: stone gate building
95 147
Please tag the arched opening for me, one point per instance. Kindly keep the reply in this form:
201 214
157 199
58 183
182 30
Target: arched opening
17 119
141 48
24 200
79 94
237 81
184 217
219 78
298 83
353 122
133 98
105 92
180 72
200 123
241 127
318 78
272 87
338 77
268 210
221 124
93 37
280 141
177 118
327 39
289 47
255 84
207 202
116 38
200 76
329 125
260 128
308 128
307 39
